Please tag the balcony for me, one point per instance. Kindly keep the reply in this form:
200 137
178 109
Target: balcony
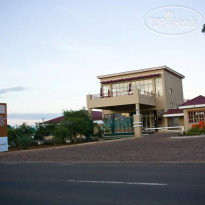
120 98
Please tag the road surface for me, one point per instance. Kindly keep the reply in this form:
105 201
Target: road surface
113 183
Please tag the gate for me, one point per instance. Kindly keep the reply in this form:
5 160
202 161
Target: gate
119 126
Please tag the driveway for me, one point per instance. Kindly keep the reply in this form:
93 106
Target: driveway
157 147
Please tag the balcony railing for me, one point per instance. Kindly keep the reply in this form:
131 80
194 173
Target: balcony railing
120 93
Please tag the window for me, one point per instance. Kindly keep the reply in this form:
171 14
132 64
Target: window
171 103
170 91
105 90
158 87
145 86
196 116
118 88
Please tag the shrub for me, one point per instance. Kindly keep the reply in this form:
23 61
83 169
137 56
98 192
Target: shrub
60 134
24 140
196 131
23 135
48 142
12 138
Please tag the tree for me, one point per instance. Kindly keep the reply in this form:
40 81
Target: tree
78 123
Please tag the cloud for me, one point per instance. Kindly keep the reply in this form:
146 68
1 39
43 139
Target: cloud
13 89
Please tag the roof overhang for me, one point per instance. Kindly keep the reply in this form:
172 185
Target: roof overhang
142 70
191 106
174 115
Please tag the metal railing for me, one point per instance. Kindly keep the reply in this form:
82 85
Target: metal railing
168 129
120 93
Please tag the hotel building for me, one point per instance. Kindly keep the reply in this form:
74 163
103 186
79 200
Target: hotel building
153 91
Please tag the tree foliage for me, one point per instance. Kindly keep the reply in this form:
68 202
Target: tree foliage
43 130
60 134
78 123
21 135
75 123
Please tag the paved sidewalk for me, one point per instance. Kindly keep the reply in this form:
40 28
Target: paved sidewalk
158 147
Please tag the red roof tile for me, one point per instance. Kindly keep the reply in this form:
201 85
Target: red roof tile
173 111
195 101
96 115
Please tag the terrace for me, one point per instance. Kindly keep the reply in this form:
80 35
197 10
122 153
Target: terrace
121 98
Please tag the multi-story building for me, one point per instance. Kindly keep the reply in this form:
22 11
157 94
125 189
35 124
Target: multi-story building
152 91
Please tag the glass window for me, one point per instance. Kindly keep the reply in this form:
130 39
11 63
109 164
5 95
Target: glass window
145 86
170 91
158 87
105 90
196 116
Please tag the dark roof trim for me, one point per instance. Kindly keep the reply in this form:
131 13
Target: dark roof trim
173 111
132 78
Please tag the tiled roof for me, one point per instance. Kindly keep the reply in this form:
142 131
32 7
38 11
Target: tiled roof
96 115
195 101
173 111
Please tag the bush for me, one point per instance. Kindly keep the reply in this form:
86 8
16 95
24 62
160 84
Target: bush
60 134
12 138
23 134
24 140
48 142
196 131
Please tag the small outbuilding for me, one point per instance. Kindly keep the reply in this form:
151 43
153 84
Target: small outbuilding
189 114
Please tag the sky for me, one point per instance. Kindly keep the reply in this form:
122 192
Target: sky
52 50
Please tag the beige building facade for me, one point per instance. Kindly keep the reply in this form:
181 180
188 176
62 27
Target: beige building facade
152 91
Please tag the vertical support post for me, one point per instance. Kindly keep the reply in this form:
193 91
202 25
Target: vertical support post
166 122
113 124
155 120
137 124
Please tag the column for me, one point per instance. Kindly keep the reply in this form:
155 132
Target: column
137 124
166 121
155 120
90 112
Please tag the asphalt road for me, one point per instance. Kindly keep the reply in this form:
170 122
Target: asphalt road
57 183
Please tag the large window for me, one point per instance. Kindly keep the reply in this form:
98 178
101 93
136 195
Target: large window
158 87
105 90
145 86
118 88
196 116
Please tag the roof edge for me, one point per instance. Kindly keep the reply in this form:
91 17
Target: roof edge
191 106
140 71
